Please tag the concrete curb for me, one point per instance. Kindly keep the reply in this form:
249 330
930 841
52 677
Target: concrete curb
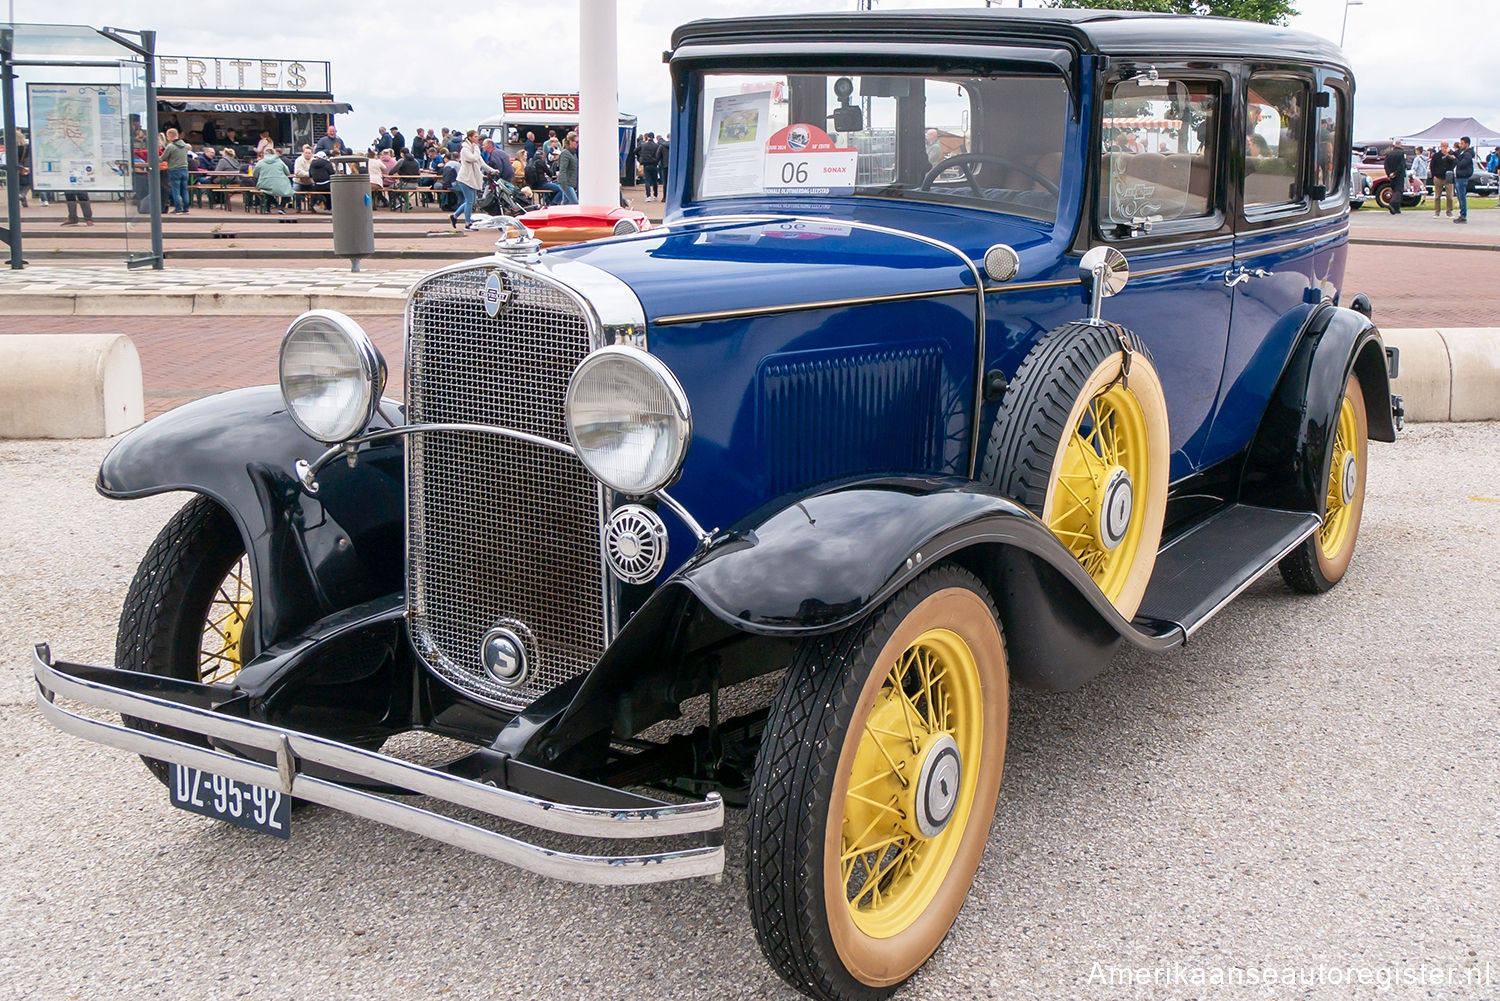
1452 374
1375 241
125 303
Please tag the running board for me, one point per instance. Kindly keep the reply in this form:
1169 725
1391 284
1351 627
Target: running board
1202 570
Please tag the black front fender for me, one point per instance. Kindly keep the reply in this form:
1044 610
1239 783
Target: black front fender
309 555
736 608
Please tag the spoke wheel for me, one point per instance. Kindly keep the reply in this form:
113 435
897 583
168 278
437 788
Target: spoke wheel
1321 561
875 787
221 646
188 608
1086 448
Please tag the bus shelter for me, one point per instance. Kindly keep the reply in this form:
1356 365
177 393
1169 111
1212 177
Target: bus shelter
91 106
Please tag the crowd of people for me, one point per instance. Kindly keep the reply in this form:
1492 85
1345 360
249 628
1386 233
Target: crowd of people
457 169
1449 169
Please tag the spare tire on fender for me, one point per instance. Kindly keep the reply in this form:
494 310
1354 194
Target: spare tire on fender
1081 441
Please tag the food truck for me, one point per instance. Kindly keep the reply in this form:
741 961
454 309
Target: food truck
538 113
206 98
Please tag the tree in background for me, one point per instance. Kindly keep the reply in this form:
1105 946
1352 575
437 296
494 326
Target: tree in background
1267 11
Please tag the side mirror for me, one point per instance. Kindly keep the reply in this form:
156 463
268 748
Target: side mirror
1103 272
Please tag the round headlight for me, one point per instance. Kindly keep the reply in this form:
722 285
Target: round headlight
331 375
629 419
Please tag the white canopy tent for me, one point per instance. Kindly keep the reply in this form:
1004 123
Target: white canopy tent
1451 129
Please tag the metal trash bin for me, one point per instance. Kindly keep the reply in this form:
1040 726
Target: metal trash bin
353 214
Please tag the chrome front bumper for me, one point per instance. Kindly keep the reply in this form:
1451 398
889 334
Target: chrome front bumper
703 822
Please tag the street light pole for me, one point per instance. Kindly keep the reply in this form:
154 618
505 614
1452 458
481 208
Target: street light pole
1347 5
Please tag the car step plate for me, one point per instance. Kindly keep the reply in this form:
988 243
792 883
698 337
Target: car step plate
239 803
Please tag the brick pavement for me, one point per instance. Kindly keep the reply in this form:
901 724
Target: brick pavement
185 357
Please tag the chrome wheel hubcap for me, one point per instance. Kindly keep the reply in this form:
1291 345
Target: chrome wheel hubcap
1113 519
938 783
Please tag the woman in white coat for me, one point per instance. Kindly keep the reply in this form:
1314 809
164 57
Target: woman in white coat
470 177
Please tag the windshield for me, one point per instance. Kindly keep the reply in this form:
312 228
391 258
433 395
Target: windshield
993 142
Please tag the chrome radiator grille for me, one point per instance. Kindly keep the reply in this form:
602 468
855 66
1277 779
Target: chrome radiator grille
500 532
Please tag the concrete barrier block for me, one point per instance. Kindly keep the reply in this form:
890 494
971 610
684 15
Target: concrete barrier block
69 385
1426 379
1475 354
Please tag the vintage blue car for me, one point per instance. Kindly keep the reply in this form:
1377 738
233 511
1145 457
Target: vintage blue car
975 344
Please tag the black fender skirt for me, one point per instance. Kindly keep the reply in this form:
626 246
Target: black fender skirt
1287 464
310 555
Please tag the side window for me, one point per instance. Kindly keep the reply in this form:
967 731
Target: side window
1275 127
1159 154
946 114
1331 158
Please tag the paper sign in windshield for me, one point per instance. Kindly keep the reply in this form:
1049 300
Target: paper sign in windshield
735 136
803 159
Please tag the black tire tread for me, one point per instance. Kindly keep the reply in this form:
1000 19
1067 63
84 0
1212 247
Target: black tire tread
793 780
1029 427
192 547
1300 569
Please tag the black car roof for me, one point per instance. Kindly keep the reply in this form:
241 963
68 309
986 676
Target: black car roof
1109 32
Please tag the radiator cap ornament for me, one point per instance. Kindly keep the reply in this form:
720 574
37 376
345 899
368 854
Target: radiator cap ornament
504 657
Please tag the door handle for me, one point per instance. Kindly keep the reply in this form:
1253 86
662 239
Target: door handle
1235 276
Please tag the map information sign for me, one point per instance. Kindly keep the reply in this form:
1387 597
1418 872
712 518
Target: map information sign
78 137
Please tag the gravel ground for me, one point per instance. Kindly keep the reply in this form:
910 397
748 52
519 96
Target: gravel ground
1311 784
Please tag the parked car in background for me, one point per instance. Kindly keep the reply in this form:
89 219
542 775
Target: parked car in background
872 429
1359 184
1382 191
1483 183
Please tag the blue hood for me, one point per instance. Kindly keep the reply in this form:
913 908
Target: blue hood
711 266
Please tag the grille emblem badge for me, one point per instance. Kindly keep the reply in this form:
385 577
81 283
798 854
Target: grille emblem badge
504 656
496 295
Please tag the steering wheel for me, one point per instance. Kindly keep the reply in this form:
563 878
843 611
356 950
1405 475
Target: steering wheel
963 161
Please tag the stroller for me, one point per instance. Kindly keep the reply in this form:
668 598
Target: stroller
496 199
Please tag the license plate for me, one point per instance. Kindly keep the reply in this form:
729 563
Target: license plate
239 803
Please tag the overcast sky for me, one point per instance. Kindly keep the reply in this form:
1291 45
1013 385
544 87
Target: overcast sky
406 63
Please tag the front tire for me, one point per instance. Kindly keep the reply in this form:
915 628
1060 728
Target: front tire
187 609
874 789
1321 561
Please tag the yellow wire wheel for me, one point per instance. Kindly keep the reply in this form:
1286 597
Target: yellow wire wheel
1322 561
221 644
898 793
1085 446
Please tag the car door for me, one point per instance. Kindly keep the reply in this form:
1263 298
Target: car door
1162 201
1291 228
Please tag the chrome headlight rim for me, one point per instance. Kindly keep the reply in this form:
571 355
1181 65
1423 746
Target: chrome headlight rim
682 414
372 374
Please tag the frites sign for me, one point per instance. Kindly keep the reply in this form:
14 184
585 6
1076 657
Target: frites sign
177 73
527 104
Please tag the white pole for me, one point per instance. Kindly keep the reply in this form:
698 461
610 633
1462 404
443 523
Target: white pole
598 105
